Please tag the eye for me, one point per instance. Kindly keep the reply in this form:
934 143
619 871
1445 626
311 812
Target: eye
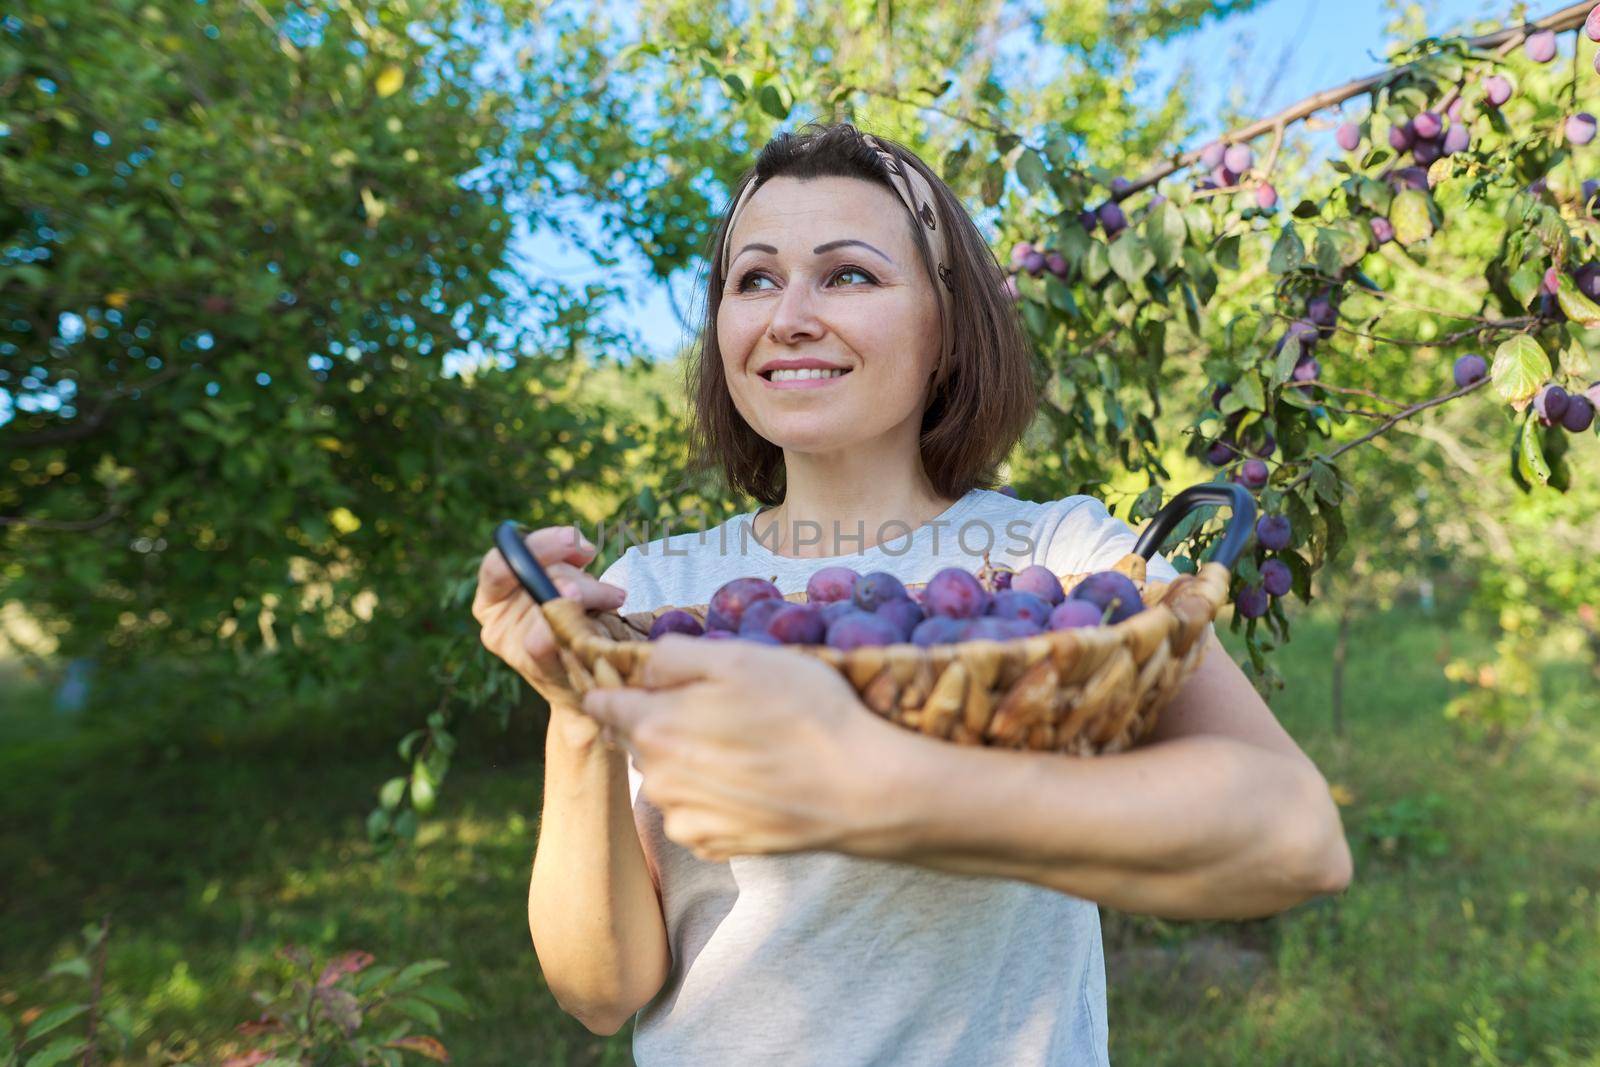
749 276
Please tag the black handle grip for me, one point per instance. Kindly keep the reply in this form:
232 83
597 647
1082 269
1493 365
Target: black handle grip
508 539
1234 538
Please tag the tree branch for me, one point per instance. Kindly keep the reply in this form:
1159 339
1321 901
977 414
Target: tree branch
1387 424
1569 17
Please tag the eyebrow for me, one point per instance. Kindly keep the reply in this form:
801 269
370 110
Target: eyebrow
817 251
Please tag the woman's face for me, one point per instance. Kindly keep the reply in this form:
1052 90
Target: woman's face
827 270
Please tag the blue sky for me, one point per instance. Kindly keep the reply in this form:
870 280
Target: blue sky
1264 61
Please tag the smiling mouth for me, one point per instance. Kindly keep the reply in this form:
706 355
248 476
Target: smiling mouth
807 374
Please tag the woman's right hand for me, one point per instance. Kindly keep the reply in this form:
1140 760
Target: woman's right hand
513 626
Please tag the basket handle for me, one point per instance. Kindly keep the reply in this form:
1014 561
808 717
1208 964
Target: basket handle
1234 538
508 539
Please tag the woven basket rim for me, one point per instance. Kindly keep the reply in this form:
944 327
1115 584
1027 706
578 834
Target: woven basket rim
1210 582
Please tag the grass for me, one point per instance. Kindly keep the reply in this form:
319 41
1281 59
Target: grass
1471 934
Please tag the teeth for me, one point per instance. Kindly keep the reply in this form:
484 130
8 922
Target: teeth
801 375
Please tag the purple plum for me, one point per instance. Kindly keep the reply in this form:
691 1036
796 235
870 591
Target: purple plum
938 630
994 628
1320 311
1401 137
1541 46
1266 196
1056 264
1456 139
833 609
1034 263
1273 532
1470 368
1426 150
757 615
1211 155
1251 602
956 593
1017 604
676 621
1238 158
1427 125
1001 580
1038 580
830 584
1111 589
1587 278
876 588
1579 413
1071 614
1276 578
905 614
1348 136
1551 403
733 597
1020 252
1220 453
1580 128
1591 24
1496 90
798 624
859 628
1111 217
1382 229
1253 474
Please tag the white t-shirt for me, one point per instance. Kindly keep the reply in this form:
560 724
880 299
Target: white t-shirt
820 958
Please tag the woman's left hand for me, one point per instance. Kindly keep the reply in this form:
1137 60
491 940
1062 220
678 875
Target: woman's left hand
747 748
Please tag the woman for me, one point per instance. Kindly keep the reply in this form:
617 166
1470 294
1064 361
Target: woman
780 875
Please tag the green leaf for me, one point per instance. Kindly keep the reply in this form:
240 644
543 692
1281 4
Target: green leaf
1530 453
1575 305
77 967
1131 257
1325 481
423 791
1410 216
58 1051
1227 252
735 85
771 101
1520 367
442 996
1287 252
1031 171
414 973
1334 523
52 1019
1248 390
1097 263
1165 232
1574 359
393 791
1326 251
1525 283
419 1010
378 824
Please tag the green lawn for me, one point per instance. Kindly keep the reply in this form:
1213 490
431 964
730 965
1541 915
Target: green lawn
1471 934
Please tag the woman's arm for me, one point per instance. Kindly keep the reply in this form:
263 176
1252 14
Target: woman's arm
1215 819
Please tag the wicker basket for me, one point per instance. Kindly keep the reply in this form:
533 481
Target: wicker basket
1081 691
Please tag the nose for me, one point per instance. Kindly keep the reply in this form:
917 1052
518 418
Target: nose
794 317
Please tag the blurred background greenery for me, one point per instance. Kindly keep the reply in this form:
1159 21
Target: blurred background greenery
272 366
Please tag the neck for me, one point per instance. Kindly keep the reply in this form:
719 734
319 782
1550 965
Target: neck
831 497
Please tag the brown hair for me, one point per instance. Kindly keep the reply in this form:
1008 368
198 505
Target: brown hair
980 406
